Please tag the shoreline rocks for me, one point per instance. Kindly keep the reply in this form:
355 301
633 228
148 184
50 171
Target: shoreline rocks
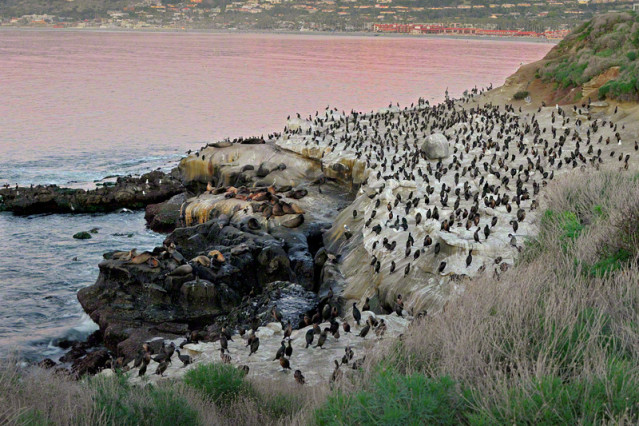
125 193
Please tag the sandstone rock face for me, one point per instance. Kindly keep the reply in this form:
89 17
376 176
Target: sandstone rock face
436 146
591 88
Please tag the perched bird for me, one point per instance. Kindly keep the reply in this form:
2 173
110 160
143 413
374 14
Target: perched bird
299 377
244 369
161 368
357 315
284 362
337 374
310 335
289 349
255 344
280 351
322 338
364 330
186 359
346 326
226 358
288 330
367 306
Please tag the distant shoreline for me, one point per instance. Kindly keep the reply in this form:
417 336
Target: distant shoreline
288 32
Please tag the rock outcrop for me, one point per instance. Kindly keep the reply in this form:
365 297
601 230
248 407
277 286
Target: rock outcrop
436 146
203 272
126 192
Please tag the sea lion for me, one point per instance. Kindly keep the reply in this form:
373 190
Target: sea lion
141 258
297 194
221 144
181 271
217 256
125 255
294 221
260 196
202 260
277 209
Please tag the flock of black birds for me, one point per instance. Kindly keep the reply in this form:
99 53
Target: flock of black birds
326 312
500 160
162 355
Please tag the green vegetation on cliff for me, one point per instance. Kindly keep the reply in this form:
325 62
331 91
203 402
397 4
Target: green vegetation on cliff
596 47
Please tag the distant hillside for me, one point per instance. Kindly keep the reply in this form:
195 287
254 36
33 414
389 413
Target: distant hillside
77 9
600 57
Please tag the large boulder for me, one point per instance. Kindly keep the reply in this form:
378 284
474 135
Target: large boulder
436 146
164 217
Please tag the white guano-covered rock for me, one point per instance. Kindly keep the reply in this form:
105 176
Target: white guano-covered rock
436 146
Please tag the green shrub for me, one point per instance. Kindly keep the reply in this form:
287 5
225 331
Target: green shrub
522 94
123 404
396 399
220 382
566 221
606 53
551 400
631 56
609 263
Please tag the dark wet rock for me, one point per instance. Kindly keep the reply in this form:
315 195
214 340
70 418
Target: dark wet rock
340 168
82 235
127 192
91 364
132 302
165 216
300 258
77 351
376 306
47 363
290 299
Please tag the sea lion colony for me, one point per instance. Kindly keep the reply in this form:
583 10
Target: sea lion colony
453 213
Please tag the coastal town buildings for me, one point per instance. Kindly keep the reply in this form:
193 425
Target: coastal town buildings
550 19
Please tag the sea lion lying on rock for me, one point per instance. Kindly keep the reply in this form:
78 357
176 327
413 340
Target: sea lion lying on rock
293 222
181 271
297 194
202 260
217 256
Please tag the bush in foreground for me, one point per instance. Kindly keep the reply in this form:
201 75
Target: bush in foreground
396 399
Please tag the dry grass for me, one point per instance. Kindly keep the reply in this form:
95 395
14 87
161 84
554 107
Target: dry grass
545 317
34 396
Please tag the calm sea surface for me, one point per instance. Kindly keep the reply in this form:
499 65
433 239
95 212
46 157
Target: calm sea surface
78 106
